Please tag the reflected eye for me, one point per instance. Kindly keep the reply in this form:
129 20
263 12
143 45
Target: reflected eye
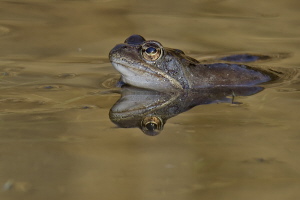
152 125
152 51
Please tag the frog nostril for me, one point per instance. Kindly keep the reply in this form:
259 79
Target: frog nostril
118 48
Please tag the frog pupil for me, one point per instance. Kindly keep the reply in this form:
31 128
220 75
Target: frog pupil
151 50
151 126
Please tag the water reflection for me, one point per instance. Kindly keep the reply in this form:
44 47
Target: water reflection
149 110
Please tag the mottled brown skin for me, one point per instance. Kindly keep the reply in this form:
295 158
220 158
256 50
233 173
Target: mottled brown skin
147 64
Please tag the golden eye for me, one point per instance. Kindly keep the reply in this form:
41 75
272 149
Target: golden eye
152 125
152 51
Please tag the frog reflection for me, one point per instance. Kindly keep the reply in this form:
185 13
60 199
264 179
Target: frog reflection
149 110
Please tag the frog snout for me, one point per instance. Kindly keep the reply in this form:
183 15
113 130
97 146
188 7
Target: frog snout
116 50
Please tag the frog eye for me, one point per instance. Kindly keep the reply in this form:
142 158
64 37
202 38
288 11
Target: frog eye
152 125
152 51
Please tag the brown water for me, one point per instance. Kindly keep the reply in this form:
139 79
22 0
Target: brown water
57 142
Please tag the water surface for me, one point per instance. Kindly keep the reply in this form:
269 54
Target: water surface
57 141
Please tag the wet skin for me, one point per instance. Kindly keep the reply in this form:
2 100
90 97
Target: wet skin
147 64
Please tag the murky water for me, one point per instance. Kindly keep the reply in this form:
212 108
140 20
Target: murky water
57 141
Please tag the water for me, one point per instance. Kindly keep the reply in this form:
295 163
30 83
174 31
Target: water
57 141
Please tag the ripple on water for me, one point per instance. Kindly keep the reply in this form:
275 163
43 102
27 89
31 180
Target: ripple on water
66 75
10 71
86 107
13 104
287 90
286 76
4 30
52 87
110 81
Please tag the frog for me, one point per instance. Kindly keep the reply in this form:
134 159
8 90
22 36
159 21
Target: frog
150 65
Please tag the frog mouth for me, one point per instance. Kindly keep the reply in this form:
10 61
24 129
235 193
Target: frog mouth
131 70
145 76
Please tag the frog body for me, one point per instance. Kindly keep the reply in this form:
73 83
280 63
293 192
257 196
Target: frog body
148 64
